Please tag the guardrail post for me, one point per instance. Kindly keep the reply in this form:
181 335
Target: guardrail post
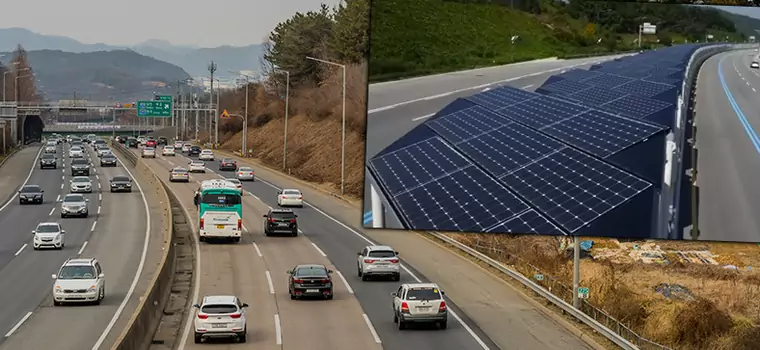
377 208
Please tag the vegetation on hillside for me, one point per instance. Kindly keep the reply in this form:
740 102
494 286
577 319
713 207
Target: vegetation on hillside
19 74
418 37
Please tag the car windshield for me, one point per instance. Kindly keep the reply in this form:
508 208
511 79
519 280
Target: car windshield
423 294
291 192
48 156
30 189
311 271
109 156
77 273
120 179
246 169
221 199
47 228
227 160
81 179
80 161
382 254
219 309
51 144
73 198
76 149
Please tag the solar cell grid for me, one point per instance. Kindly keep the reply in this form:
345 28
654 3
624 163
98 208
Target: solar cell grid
601 134
542 111
643 88
565 87
508 148
467 200
634 106
467 123
578 74
501 97
596 96
573 188
528 222
607 81
417 164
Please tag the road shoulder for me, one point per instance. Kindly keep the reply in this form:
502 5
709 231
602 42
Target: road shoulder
14 170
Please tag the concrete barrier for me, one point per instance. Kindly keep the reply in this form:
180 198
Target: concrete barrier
138 333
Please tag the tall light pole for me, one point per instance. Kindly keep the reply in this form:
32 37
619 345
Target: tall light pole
245 128
4 78
343 131
287 109
212 67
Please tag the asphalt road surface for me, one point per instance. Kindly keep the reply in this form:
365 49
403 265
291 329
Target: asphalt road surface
360 316
396 107
114 233
728 118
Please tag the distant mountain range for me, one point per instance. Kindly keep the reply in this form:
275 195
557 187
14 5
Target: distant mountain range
194 60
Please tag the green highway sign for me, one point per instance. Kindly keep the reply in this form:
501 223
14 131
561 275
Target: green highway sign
164 98
583 293
538 277
154 109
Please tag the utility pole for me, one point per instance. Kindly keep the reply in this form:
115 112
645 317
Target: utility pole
212 67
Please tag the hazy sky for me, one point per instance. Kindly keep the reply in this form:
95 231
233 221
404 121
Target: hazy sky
747 11
181 22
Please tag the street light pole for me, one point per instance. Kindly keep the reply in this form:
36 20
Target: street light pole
244 153
285 132
245 129
343 131
212 67
4 78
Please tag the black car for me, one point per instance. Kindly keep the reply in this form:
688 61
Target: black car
194 151
228 164
162 140
30 194
108 160
99 143
132 142
121 184
80 166
48 161
310 280
280 221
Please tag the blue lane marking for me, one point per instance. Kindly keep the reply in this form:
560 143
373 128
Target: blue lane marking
742 118
367 217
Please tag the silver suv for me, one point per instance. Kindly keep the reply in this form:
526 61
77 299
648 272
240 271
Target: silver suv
419 303
79 281
74 205
378 260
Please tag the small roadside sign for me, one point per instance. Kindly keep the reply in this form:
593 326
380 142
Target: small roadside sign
583 292
538 277
225 114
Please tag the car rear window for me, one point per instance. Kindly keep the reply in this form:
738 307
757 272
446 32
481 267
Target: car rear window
219 309
381 254
291 192
179 170
283 216
80 161
423 294
311 271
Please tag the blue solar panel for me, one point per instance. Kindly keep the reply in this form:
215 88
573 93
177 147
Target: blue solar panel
565 87
528 222
542 111
467 200
573 188
578 74
467 123
509 148
643 88
596 96
607 81
601 134
417 164
635 107
501 97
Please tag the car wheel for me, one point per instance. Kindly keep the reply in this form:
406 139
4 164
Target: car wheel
56 303
395 318
242 336
36 248
236 239
198 338
63 215
112 191
201 239
330 297
358 271
365 277
86 215
401 324
443 324
294 233
292 296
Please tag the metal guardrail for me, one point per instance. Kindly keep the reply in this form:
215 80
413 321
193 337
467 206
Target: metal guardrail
131 157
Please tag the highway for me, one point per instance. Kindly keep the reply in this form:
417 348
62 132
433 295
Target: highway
360 316
115 233
396 107
728 120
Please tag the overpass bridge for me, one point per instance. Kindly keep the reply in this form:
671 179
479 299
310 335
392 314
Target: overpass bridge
69 128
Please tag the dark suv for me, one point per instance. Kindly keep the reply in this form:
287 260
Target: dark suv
280 221
48 161
80 166
162 140
132 142
228 164
194 151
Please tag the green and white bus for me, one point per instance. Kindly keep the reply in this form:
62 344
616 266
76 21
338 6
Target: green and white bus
220 211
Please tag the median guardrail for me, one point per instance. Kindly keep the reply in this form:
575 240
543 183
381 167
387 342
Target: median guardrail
138 333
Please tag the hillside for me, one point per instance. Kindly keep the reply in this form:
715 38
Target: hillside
749 26
100 75
192 59
417 37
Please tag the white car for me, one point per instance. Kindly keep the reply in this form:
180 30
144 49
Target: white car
48 235
290 197
245 174
220 316
79 281
754 65
81 184
419 303
148 152
206 154
237 184
141 140
178 145
179 174
378 260
186 147
76 152
51 147
103 151
197 166
168 151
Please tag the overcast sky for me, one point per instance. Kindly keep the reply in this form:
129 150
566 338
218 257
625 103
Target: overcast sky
747 11
181 22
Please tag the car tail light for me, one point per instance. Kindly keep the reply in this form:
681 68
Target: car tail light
202 316
251 173
300 198
240 224
272 220
235 315
284 197
393 261
368 261
442 307
404 307
325 281
293 221
201 224
297 281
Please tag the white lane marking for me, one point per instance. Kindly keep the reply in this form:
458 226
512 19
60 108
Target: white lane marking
58 199
100 196
98 210
92 229
63 170
61 186
486 89
97 177
18 325
371 329
258 252
319 250
245 229
527 86
98 184
140 266
403 266
63 177
254 196
20 250
423 117
269 282
277 329
82 249
348 286
753 90
51 211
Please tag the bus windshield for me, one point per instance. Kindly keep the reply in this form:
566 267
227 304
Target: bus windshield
221 199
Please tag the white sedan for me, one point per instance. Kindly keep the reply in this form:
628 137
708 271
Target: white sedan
754 65
197 167
290 197
206 154
237 184
76 152
168 151
149 152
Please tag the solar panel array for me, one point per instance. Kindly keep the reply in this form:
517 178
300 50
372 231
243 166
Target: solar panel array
517 161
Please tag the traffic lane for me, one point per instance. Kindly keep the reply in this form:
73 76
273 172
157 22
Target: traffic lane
743 61
16 170
401 91
228 269
116 227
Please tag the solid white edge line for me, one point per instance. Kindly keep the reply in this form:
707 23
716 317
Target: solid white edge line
269 282
28 176
258 251
403 266
82 249
18 325
20 250
319 250
196 281
371 329
140 266
345 282
277 329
